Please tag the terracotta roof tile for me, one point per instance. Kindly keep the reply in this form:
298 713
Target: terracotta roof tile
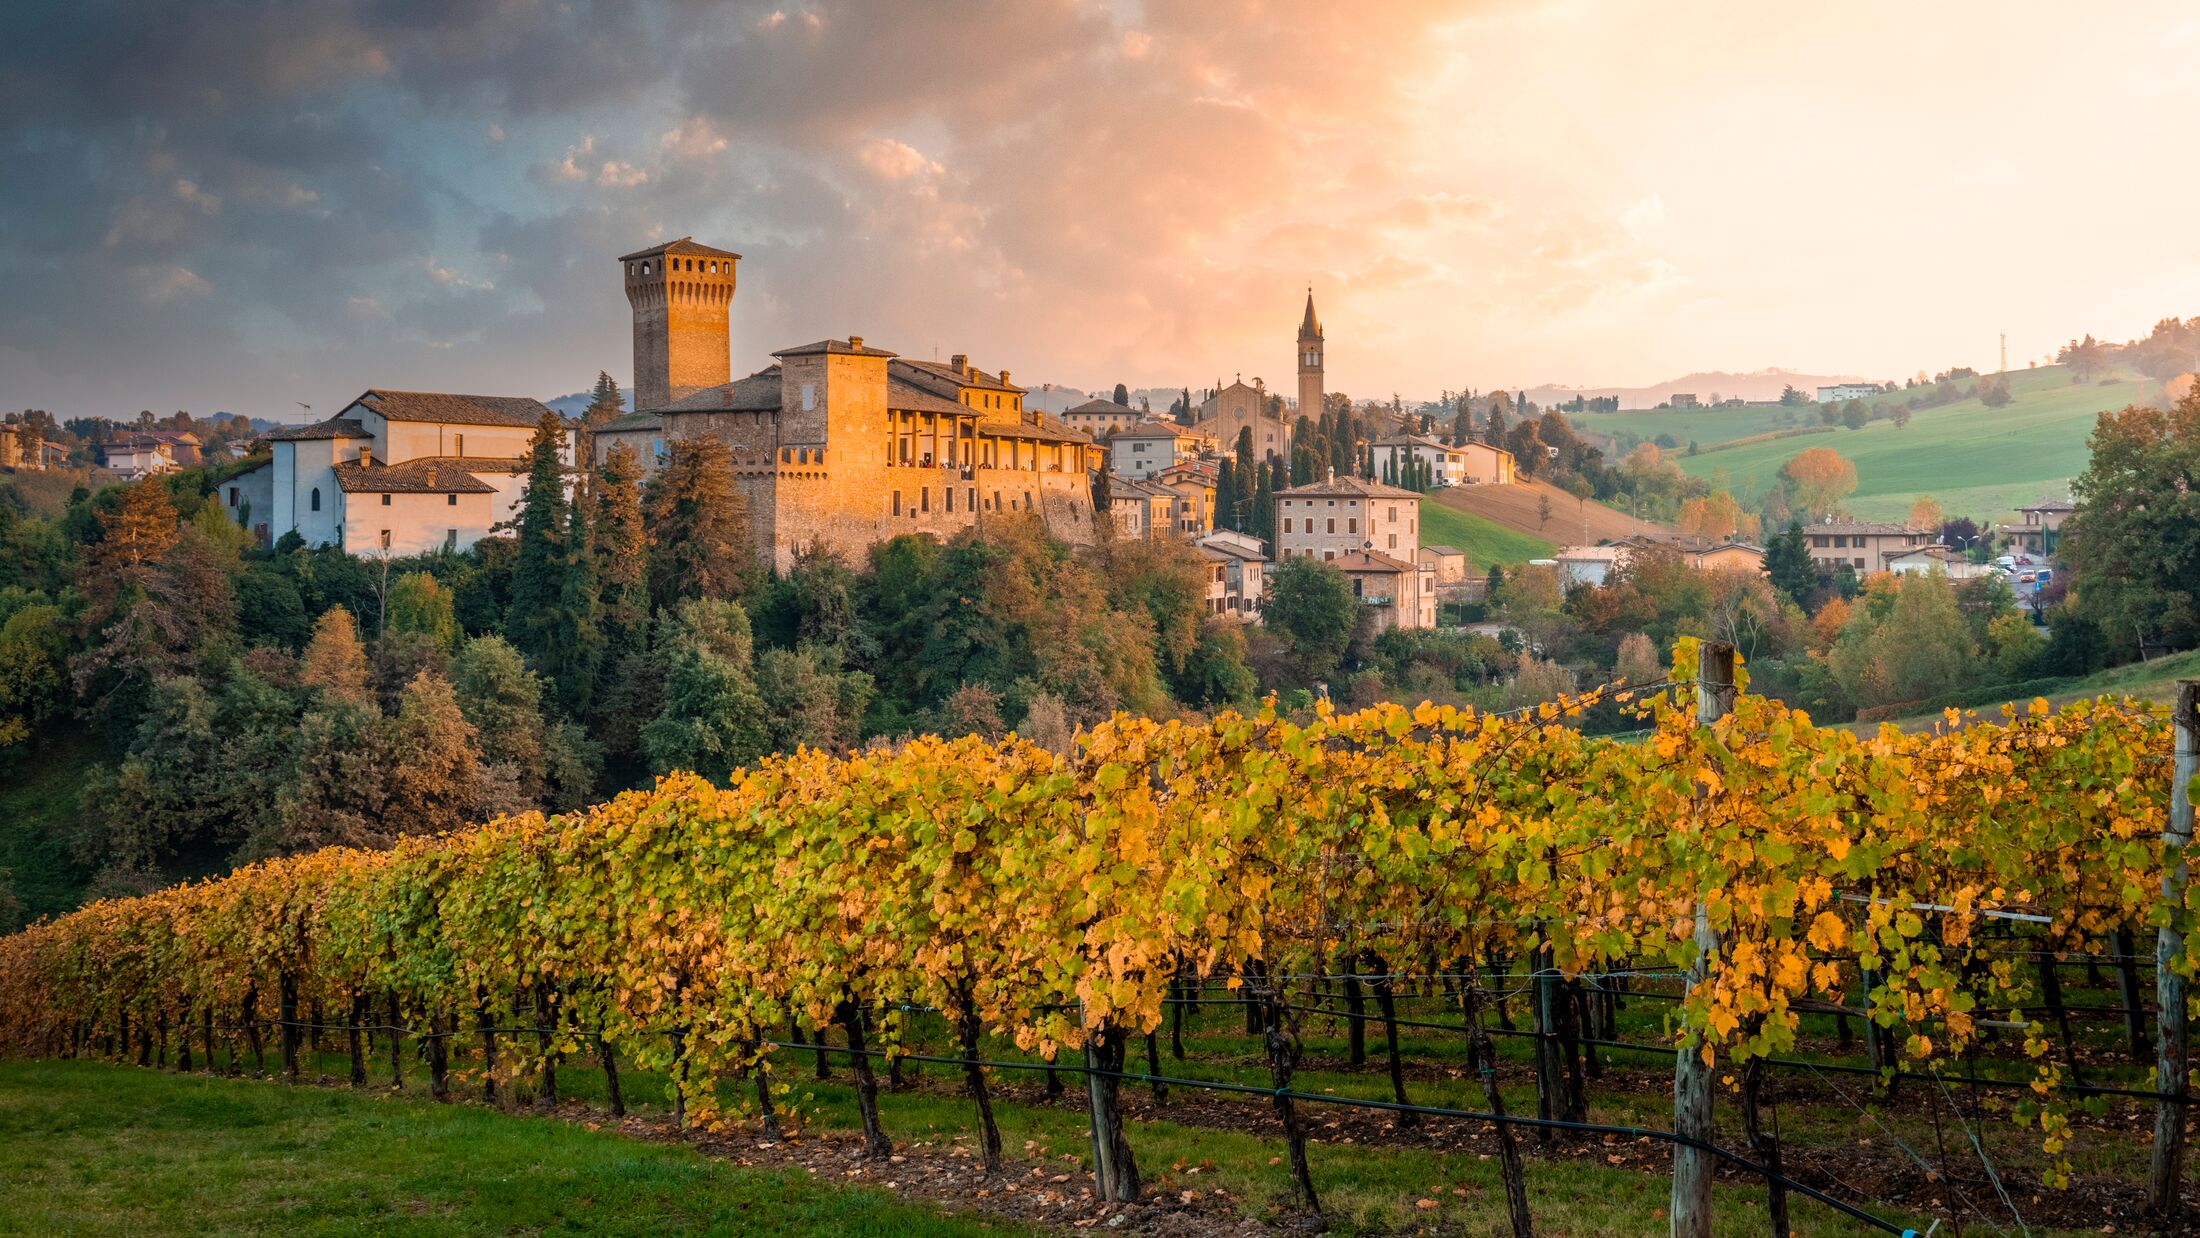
431 475
444 408
334 427
684 245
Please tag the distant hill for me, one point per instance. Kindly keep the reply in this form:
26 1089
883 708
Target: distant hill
1754 386
577 403
1976 461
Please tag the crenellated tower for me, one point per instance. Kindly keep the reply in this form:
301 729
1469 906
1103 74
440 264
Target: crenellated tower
680 292
1310 360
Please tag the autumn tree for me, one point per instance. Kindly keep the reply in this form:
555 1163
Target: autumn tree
435 775
335 662
420 604
1925 513
1821 477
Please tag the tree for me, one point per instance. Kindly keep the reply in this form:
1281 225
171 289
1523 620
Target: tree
713 720
2131 544
1122 395
502 700
698 525
1821 477
620 549
1788 564
1853 415
545 553
1994 392
604 402
809 700
335 663
435 777
1542 510
419 604
1790 397
1925 513
1906 647
34 680
1311 604
1226 498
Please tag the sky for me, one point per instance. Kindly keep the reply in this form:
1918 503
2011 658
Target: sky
248 205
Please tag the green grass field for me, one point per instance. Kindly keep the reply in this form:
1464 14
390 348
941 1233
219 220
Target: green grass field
1977 461
95 1149
1483 540
1702 426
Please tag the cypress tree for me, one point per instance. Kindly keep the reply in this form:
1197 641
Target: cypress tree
538 575
1226 495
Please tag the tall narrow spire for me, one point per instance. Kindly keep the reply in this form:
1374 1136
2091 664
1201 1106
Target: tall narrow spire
1310 328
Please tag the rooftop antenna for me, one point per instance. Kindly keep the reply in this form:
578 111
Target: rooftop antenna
2005 352
308 407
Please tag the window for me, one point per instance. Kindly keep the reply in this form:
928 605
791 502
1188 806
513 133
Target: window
1393 541
232 496
315 501
1859 563
1332 524
1287 524
450 500
385 500
385 539
949 492
924 498
460 441
897 502
1352 525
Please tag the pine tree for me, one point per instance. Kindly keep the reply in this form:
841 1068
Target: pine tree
604 403
538 577
574 651
698 525
1788 564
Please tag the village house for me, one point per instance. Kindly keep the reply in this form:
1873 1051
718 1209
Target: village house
1242 582
1142 509
1447 564
1862 546
395 472
2038 530
1097 417
1928 559
23 447
1368 530
840 444
1152 446
1462 464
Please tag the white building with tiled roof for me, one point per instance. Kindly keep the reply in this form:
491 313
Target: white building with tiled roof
1097 417
1149 447
396 472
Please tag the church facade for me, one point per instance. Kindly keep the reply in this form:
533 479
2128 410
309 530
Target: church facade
840 444
1229 411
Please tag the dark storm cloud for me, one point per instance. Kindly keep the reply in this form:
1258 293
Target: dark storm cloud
228 203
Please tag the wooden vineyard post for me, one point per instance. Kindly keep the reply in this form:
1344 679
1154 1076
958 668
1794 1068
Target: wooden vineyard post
1692 1075
2170 1063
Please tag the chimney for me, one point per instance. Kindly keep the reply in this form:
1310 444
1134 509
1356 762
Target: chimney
960 363
1004 378
856 342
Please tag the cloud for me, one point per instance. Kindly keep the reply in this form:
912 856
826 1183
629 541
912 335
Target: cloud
890 160
695 137
172 283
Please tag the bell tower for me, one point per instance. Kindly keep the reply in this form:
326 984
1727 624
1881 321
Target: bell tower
1310 360
680 292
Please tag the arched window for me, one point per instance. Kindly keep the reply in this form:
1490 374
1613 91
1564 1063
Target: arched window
316 498
645 268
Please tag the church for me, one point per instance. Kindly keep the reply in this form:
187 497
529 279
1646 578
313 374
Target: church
1225 414
838 443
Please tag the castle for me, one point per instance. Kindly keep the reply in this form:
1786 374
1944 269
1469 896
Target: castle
838 444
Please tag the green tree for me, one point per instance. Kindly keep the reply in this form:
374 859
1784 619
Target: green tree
809 701
698 526
1788 564
419 603
621 553
545 549
713 720
34 681
502 700
1312 606
2134 543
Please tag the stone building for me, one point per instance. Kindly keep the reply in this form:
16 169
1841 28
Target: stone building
1153 446
1225 413
839 444
23 446
1097 417
1371 532
1863 546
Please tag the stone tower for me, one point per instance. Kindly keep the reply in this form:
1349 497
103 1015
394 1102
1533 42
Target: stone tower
680 292
1310 360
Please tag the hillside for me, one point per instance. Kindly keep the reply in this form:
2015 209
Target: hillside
1703 384
1481 539
1977 461
1518 508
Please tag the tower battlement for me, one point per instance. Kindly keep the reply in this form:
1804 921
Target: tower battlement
681 293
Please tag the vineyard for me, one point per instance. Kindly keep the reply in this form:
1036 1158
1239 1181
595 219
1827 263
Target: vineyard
1711 900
